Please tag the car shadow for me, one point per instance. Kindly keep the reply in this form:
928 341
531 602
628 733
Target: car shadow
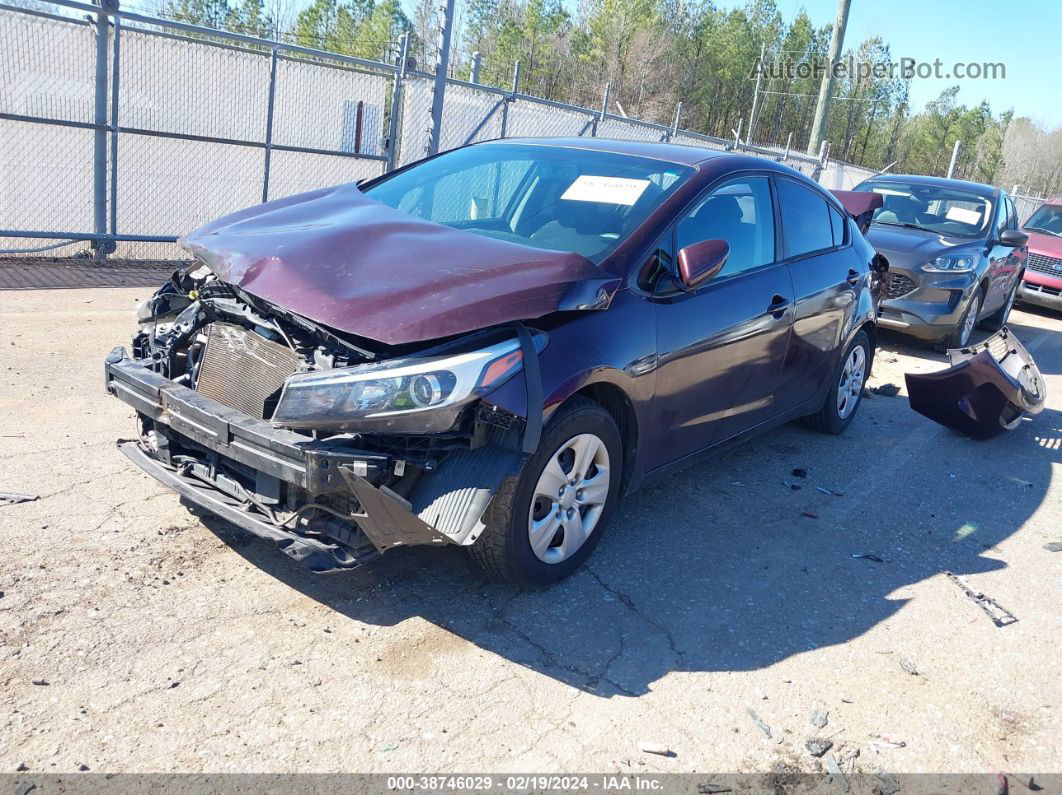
734 564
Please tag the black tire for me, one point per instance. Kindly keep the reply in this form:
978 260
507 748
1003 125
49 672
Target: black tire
954 338
503 550
998 319
828 419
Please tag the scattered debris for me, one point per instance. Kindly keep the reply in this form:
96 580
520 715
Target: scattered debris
889 784
817 746
792 486
800 472
10 498
1000 616
712 789
886 390
836 776
1001 787
759 722
909 666
820 717
1023 483
659 749
1053 546
40 682
174 683
809 514
887 741
82 767
868 556
22 767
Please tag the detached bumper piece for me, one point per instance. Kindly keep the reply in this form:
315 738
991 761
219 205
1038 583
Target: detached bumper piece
986 390
319 501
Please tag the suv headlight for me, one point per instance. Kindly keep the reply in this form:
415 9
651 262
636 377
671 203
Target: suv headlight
384 395
950 263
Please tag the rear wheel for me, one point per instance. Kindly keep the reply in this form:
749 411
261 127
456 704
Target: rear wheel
846 392
542 524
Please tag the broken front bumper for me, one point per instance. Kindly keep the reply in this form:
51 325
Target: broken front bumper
355 517
986 390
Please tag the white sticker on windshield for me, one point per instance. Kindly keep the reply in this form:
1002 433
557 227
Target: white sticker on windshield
605 190
964 216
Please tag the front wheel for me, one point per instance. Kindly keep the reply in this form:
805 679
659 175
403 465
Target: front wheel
542 524
960 335
846 390
998 319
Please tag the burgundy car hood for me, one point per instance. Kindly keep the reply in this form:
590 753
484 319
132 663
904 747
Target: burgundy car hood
344 260
1042 243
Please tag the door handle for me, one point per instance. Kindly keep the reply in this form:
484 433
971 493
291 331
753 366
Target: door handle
778 306
854 277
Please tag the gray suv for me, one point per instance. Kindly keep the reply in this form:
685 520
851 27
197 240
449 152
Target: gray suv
955 255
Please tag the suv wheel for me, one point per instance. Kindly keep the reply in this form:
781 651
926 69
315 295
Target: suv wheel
998 319
542 524
960 335
846 391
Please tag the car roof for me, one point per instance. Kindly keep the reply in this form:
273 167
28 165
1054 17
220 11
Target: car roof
939 182
680 154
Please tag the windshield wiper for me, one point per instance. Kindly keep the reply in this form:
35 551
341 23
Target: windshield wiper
1045 231
904 224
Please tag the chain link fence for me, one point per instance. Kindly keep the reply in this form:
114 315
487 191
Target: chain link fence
120 132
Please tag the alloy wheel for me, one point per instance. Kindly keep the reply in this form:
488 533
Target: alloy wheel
970 321
850 389
569 498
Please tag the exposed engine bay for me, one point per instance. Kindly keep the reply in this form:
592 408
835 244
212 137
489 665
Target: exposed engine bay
335 447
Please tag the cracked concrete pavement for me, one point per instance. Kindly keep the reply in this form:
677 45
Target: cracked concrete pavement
136 636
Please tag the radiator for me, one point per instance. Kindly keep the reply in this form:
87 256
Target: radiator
243 370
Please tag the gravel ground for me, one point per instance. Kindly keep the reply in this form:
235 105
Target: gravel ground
135 636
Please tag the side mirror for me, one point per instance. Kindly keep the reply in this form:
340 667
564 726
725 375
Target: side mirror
699 262
1012 237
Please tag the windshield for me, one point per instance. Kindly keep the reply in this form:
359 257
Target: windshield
947 211
1047 219
548 197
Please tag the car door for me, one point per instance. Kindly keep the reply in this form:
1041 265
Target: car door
721 346
1004 262
826 277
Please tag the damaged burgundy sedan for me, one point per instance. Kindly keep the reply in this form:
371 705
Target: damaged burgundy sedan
490 347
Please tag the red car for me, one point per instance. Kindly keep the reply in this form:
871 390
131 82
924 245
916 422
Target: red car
1042 281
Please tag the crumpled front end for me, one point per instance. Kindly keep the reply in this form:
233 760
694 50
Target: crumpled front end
987 390
208 375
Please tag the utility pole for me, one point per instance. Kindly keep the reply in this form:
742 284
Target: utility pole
822 108
756 96
441 64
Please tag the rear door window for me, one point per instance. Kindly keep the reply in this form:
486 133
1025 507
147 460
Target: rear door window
806 223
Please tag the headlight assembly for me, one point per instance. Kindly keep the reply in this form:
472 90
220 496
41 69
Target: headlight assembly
950 263
400 394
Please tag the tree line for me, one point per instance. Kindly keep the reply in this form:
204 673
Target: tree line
654 54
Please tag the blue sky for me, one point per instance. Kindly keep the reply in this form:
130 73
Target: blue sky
1026 36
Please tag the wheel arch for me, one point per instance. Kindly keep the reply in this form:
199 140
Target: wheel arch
618 404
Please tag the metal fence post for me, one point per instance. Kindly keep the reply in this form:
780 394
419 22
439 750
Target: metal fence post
396 102
954 157
675 124
115 68
99 150
439 94
477 63
271 101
